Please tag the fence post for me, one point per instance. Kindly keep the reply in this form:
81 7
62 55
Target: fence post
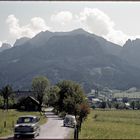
12 124
4 124
76 132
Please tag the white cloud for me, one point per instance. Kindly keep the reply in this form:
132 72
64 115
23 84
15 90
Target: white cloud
35 25
0 43
62 17
99 23
92 20
96 21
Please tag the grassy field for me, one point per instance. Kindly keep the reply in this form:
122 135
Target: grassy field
111 124
128 95
10 117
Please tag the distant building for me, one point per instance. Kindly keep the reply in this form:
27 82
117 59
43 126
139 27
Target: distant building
28 104
96 102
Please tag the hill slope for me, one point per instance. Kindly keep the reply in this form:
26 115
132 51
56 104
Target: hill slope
76 55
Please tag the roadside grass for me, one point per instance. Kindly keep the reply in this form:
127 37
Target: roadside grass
11 117
111 124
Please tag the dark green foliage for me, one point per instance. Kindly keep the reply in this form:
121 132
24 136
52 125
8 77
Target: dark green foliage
116 105
135 104
6 93
119 105
40 86
109 104
20 103
82 57
53 96
1 102
103 105
71 100
70 95
132 104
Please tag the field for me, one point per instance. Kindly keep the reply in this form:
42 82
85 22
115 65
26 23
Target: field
10 117
128 95
111 124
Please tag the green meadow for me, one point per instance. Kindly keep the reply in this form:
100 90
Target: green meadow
11 117
111 124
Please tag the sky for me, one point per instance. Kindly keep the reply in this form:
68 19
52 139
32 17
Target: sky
115 21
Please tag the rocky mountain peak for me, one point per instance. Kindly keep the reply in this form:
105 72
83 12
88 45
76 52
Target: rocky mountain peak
5 46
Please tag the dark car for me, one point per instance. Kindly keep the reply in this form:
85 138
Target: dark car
27 125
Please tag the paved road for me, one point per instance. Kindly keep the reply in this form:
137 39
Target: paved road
54 129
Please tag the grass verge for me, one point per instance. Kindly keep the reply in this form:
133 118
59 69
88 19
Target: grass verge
11 117
111 124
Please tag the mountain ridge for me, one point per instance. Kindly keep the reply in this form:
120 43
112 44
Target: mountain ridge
77 55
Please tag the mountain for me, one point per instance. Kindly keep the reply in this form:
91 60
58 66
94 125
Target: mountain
77 55
5 46
21 41
131 52
43 37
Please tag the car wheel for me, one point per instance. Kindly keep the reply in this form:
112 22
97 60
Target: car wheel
16 136
34 135
38 132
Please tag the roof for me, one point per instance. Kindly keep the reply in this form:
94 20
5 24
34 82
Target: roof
30 116
96 100
32 98
72 116
127 104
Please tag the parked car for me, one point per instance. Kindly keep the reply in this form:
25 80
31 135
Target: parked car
69 120
27 125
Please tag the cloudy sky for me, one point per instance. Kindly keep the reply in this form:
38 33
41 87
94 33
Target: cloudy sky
115 21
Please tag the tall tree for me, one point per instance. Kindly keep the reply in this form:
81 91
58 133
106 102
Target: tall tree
71 98
6 92
40 86
53 96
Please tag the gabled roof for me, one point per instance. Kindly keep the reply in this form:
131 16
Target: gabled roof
33 99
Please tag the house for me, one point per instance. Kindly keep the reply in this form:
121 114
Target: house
96 102
28 104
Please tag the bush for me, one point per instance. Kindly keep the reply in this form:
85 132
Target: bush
62 114
1 102
93 106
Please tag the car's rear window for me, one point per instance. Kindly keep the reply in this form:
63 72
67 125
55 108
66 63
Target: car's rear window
26 120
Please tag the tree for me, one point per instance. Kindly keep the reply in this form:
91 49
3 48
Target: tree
72 99
1 102
84 111
103 105
40 86
137 104
70 94
116 105
132 104
53 96
6 92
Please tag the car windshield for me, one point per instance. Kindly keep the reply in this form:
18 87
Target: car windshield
26 120
67 119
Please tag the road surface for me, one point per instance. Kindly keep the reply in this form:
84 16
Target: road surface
54 129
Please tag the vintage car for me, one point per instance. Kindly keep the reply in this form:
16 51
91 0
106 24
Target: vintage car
27 125
70 121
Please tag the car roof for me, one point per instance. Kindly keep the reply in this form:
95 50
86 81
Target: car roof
70 116
29 116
